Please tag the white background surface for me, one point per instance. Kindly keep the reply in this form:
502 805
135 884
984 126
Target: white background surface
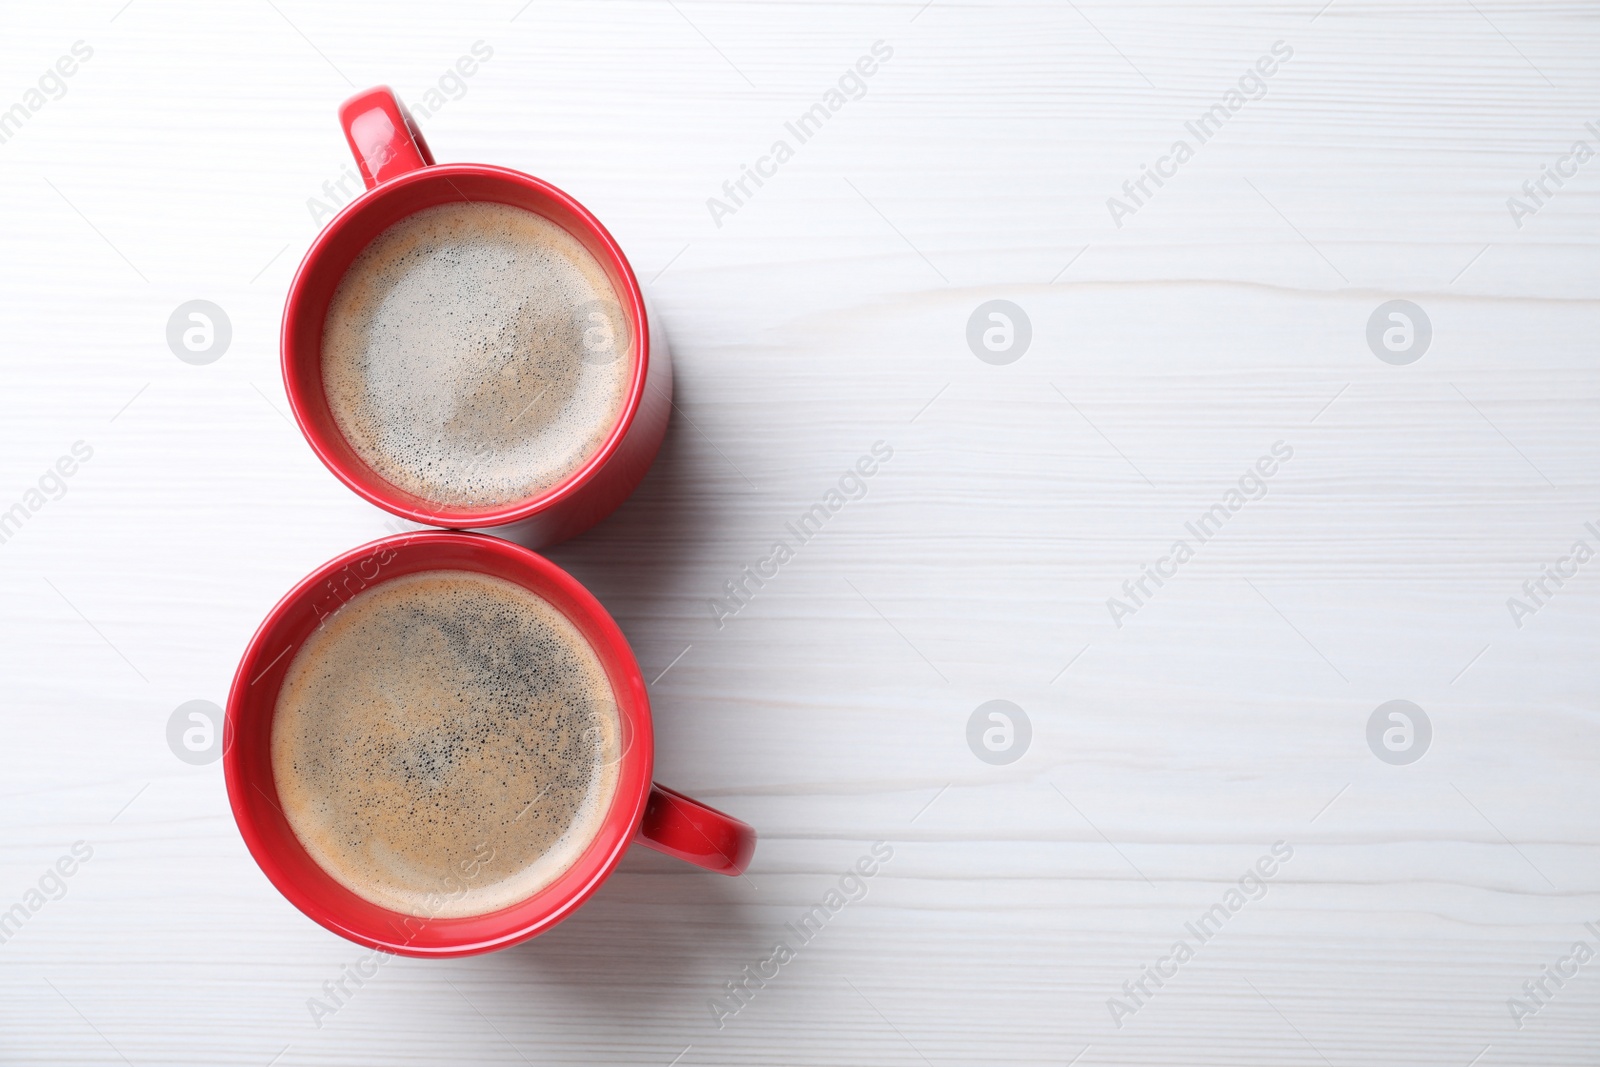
1167 355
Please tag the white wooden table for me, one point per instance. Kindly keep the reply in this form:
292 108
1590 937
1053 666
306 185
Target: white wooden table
829 311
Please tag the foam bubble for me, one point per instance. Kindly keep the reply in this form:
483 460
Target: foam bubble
446 744
475 354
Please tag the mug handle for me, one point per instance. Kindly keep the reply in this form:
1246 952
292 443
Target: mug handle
691 831
383 136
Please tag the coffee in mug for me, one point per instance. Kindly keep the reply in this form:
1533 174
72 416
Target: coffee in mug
446 744
475 354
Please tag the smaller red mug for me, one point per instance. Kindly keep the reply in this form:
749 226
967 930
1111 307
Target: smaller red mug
402 179
652 815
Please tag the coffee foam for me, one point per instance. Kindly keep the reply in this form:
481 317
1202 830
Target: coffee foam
475 354
446 744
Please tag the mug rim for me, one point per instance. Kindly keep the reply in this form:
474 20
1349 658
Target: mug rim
374 488
447 937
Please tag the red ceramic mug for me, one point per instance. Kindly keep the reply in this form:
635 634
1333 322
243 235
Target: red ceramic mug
402 179
640 811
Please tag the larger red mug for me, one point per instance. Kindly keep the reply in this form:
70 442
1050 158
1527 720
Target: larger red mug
652 815
402 179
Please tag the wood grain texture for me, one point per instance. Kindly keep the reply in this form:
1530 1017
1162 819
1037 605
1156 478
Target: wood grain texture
827 313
